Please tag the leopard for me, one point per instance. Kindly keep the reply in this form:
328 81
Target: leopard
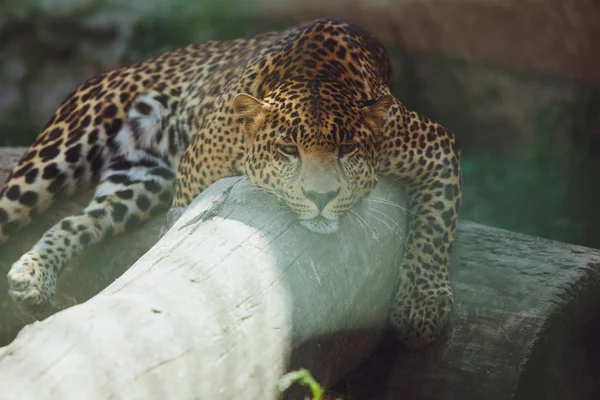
306 113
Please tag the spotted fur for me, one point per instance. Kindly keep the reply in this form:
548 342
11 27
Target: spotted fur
306 113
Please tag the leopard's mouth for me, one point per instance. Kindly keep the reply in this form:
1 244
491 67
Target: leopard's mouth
320 225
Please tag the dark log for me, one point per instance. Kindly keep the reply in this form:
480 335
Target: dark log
525 326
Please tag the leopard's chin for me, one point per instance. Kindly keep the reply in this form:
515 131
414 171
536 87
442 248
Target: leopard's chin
320 225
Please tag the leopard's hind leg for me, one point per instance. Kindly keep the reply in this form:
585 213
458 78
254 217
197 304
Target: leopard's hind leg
137 183
69 153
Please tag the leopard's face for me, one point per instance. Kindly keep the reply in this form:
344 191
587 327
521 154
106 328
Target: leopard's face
316 149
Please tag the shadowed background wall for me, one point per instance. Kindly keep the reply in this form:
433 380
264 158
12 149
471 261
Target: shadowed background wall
517 81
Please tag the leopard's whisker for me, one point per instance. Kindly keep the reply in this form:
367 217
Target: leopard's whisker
402 236
372 215
391 203
360 223
390 218
371 228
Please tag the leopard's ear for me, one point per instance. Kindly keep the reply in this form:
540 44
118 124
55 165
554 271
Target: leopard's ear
251 110
377 112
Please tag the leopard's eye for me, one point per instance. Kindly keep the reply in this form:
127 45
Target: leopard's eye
289 149
348 148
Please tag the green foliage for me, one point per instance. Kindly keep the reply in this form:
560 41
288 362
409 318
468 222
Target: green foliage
527 189
181 22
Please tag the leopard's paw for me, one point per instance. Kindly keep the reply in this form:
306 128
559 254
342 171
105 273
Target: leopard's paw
30 284
418 318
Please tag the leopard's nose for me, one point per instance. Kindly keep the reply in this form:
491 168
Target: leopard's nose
321 199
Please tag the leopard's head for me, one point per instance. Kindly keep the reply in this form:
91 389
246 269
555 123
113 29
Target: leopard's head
314 145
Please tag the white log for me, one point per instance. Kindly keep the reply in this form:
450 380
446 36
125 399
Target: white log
231 298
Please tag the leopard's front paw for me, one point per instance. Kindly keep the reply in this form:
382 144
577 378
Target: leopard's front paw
418 318
30 284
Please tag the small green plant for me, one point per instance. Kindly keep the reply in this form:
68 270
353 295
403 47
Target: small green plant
304 378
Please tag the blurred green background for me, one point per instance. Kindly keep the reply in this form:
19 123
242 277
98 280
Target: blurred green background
516 81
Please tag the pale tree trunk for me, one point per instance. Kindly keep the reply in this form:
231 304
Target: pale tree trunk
231 298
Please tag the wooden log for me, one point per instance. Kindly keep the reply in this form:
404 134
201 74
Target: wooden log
525 321
525 324
234 295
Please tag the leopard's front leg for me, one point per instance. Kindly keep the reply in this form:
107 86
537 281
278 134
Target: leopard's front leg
427 159
136 183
